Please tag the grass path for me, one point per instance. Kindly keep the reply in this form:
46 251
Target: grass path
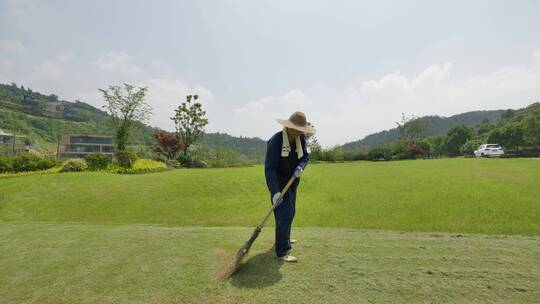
97 263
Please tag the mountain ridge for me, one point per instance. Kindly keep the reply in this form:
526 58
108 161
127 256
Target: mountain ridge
437 125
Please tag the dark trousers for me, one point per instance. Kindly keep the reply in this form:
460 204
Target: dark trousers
284 215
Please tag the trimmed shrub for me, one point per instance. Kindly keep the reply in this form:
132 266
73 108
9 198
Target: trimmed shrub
185 160
97 161
46 163
173 163
24 162
218 163
147 165
139 166
380 153
125 159
470 146
5 164
74 165
199 164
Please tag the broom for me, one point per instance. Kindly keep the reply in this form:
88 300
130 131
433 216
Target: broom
227 270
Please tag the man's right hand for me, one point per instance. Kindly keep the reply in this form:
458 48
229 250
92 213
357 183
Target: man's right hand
277 199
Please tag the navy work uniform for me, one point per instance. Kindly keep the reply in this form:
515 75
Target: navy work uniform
278 170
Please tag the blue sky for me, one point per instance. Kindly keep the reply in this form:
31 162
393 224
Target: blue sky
352 66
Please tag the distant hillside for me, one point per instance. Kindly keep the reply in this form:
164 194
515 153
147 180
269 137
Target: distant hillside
25 100
252 148
516 124
437 126
43 118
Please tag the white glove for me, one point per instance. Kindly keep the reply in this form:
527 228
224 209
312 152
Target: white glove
298 172
277 199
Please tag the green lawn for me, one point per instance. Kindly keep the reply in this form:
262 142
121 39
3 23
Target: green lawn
434 231
97 263
453 195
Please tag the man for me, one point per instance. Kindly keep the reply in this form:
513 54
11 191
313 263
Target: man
286 155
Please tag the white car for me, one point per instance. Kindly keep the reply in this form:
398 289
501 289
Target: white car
489 150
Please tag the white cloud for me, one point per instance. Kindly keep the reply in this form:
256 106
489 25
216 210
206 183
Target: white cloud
22 5
536 56
117 62
53 70
165 94
11 47
340 114
10 53
349 113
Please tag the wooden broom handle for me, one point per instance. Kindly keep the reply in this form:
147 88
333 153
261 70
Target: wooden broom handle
274 206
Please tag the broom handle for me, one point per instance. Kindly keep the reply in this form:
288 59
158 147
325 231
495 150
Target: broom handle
274 206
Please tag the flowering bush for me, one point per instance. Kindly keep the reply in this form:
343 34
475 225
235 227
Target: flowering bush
74 165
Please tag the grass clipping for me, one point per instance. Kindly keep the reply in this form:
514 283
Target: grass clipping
226 270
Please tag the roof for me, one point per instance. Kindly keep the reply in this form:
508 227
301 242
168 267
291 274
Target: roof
89 135
2 133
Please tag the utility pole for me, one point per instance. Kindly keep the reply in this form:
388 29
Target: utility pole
58 147
217 147
14 138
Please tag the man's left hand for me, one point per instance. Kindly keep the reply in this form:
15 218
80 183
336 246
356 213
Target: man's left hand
298 172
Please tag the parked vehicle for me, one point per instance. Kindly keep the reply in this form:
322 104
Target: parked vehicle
489 150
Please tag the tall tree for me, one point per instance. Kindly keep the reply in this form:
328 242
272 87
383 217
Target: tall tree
411 128
484 127
456 137
513 136
189 120
496 136
532 129
126 104
311 141
437 145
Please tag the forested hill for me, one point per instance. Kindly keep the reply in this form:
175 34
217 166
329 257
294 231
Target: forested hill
437 125
42 118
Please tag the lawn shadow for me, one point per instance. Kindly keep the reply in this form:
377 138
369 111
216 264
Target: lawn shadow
259 271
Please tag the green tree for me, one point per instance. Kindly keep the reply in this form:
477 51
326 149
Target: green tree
531 127
379 153
424 146
334 153
496 137
484 128
312 142
437 145
189 120
470 146
513 137
411 128
126 104
400 149
508 114
456 137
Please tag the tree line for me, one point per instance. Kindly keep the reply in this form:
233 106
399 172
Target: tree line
517 131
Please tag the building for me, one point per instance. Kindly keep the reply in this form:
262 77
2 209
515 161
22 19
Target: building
7 138
55 106
80 145
6 142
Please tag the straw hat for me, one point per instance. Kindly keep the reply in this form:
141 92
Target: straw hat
298 122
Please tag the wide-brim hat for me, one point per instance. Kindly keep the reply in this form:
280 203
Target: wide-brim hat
298 122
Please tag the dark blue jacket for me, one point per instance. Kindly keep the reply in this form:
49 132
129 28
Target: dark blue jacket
278 170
